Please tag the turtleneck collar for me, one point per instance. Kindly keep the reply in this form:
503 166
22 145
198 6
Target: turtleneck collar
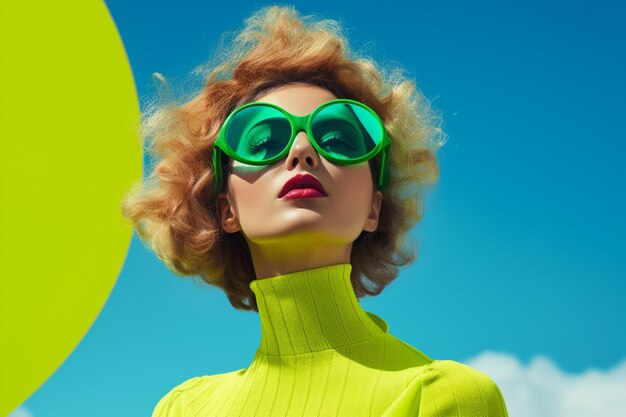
311 310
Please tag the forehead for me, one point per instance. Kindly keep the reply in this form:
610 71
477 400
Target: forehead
298 98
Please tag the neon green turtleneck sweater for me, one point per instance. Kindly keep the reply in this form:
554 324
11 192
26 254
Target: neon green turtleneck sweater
321 354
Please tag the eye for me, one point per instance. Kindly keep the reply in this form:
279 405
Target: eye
339 134
267 138
338 139
257 144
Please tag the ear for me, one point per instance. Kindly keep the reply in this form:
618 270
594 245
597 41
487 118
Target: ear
372 219
228 215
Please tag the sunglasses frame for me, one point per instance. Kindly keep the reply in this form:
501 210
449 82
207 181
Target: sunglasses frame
302 124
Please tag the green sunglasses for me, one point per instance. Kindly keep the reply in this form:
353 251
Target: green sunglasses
344 131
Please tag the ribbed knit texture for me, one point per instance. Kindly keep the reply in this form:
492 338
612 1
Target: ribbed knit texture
322 355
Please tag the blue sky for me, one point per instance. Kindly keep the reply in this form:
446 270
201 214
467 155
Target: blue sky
521 250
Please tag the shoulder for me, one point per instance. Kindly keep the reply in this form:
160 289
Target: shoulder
174 403
454 389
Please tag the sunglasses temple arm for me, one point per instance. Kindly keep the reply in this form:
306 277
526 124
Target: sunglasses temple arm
217 167
383 174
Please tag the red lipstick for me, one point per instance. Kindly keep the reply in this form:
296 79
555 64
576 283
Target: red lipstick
302 186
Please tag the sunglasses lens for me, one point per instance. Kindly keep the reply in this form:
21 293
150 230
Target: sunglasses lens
258 133
346 131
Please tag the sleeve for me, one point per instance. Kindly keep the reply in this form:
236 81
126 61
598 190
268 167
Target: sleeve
173 403
453 389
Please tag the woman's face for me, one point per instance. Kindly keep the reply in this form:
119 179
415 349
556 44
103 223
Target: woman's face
286 235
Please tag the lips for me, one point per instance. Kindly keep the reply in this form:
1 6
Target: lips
302 181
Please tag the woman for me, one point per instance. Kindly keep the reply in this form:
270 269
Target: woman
290 181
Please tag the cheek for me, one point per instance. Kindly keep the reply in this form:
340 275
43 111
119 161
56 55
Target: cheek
355 175
354 186
243 193
253 201
247 183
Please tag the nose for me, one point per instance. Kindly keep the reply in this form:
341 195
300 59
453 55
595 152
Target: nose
302 152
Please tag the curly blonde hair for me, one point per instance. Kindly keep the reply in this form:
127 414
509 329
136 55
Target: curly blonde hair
175 210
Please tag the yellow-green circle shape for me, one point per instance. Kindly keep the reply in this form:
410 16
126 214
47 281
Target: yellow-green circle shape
69 150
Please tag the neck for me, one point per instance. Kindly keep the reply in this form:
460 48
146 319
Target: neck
299 253
310 311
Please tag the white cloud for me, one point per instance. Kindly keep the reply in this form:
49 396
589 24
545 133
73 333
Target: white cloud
541 389
21 412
